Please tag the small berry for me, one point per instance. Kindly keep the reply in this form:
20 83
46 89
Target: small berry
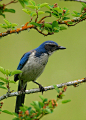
56 104
1 102
80 15
44 106
55 5
20 115
64 11
27 112
84 9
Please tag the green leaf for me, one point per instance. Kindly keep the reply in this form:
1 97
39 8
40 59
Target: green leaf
82 8
48 25
31 6
55 15
5 80
13 25
26 2
33 13
36 105
2 70
84 4
45 100
65 101
27 11
56 88
55 30
7 22
40 12
3 87
49 6
1 83
47 12
43 4
15 114
22 3
54 24
65 18
4 26
41 96
66 14
9 10
22 109
63 28
6 111
48 110
16 72
25 106
70 22
10 81
38 5
8 72
41 104
29 109
76 14
1 5
36 24
32 2
2 14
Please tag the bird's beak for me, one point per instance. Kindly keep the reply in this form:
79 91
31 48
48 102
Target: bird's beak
61 47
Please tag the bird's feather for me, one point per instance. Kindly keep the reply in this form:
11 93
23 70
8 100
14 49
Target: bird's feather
22 62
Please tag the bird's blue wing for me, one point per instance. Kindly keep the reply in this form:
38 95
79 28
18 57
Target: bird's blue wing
22 63
23 60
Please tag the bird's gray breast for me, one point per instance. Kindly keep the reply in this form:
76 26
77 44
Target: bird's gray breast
34 67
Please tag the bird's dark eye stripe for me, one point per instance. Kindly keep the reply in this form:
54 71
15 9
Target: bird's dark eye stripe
53 45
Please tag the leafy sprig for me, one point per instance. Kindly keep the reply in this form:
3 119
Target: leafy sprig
39 108
6 81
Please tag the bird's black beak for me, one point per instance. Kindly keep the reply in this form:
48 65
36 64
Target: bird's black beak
61 47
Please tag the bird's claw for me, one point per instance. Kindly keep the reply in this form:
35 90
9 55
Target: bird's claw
42 89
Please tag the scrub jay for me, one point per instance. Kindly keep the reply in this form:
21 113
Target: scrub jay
32 65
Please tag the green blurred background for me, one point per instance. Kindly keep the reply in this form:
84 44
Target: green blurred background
63 66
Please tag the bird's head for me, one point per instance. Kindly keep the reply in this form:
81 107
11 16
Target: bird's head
49 47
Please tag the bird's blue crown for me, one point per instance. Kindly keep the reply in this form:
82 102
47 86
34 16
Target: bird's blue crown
42 49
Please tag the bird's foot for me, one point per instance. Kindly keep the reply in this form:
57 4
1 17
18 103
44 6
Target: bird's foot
42 89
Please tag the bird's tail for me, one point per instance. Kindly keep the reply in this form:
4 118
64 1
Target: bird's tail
20 98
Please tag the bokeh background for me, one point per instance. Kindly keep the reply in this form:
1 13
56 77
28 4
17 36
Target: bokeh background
63 66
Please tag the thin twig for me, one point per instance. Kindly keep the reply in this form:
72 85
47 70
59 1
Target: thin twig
13 1
35 90
37 16
42 32
44 18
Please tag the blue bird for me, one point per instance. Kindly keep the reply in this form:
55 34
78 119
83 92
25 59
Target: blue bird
32 65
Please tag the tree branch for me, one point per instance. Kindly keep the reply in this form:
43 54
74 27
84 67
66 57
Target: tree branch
74 83
13 1
77 0
25 27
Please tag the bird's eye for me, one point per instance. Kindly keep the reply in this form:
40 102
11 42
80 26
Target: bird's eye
52 45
